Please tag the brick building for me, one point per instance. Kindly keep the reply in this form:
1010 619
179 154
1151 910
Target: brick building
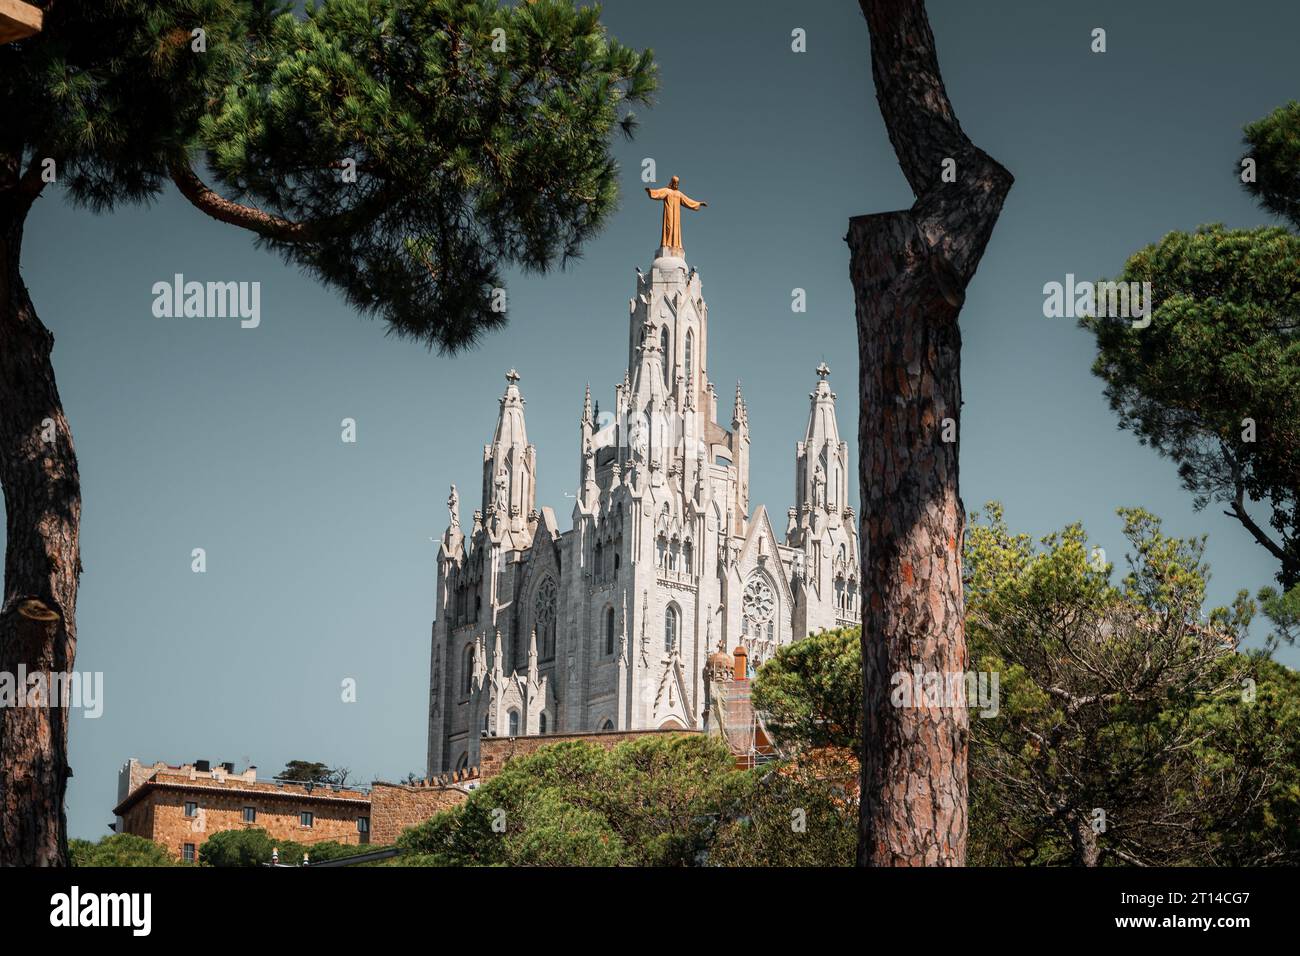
180 807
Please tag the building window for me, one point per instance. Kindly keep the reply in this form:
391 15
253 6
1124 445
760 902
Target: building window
598 565
662 546
187 853
609 631
363 824
462 762
758 605
191 809
541 724
467 670
544 617
670 629
687 552
306 818
514 723
663 345
690 348
250 814
607 725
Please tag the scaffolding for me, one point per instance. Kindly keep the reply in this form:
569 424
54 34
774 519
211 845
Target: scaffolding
741 727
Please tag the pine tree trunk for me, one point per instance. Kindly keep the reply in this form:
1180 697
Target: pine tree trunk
909 271
1083 839
38 471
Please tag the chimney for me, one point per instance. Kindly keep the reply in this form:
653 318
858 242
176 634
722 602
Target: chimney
742 662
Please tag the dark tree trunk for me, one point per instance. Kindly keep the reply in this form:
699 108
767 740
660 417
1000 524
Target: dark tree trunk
38 470
909 271
1083 840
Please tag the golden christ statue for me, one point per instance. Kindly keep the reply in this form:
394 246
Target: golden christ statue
673 199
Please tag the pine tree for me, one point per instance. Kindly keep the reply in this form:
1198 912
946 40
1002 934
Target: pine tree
479 137
1212 379
909 271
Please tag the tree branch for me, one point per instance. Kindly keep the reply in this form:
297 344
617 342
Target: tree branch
1239 512
232 213
268 225
955 219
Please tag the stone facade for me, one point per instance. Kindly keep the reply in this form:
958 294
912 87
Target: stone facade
608 626
180 807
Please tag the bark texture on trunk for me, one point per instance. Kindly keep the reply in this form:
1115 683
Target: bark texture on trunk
1083 840
42 492
910 269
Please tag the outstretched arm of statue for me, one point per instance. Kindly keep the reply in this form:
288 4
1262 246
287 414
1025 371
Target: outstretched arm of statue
659 193
690 203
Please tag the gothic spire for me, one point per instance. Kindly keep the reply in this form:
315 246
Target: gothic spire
509 467
822 459
741 415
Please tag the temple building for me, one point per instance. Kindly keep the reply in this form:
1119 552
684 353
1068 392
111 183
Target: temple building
610 625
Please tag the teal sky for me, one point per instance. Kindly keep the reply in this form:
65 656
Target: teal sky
197 433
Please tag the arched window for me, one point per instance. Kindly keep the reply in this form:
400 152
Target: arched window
688 553
670 629
463 762
663 346
599 563
690 348
541 723
770 630
609 631
661 546
514 723
607 725
467 670
544 618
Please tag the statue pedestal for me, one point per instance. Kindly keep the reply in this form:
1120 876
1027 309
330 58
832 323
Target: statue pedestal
669 258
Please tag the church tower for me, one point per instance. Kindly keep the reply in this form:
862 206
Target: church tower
510 473
822 523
